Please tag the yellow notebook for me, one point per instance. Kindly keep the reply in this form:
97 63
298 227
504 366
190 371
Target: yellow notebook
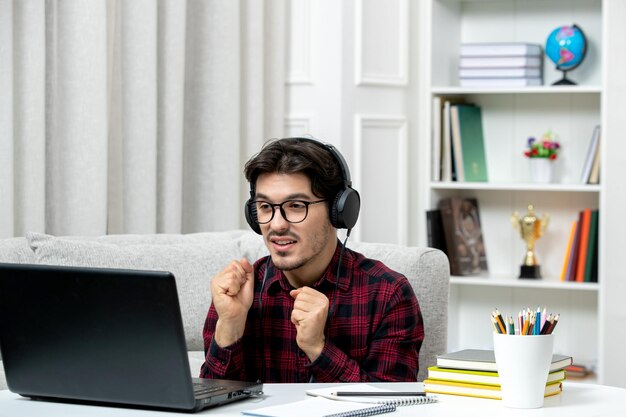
479 377
476 390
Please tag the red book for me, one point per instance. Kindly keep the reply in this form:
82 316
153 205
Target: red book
584 241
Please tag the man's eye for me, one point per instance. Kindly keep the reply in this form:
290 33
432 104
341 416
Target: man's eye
264 207
297 205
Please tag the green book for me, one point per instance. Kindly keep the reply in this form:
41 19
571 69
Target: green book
472 143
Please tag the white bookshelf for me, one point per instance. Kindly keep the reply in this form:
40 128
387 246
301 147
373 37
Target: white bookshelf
510 116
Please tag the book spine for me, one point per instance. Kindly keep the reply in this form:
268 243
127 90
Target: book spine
436 139
569 276
594 175
591 247
447 220
568 251
457 146
584 241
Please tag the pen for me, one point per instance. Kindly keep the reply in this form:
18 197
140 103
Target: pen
379 394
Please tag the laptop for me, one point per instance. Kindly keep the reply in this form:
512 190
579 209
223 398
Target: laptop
98 335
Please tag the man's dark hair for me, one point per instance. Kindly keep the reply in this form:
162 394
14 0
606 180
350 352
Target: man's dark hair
296 155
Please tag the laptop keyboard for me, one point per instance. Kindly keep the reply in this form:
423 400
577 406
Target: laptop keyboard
201 390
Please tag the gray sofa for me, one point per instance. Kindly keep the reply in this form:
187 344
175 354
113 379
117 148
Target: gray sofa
195 258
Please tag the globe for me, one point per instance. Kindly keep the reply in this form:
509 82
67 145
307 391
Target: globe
566 46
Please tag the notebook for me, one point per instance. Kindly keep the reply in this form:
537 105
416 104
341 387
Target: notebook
108 336
316 407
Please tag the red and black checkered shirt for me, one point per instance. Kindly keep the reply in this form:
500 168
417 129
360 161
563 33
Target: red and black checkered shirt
374 330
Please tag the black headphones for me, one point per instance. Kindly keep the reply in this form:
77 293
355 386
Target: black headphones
344 210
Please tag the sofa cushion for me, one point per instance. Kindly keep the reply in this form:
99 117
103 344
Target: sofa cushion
15 250
193 261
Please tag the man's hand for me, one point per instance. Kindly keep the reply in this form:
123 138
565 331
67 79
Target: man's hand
232 291
309 314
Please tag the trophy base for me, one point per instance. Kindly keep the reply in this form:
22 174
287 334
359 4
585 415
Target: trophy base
530 272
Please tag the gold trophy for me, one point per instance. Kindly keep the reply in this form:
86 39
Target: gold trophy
531 229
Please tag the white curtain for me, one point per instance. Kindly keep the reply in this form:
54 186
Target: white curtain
134 116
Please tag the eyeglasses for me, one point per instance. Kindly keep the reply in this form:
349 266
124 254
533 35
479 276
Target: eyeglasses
294 211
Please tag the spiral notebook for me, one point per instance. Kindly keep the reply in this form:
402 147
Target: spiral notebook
318 406
330 393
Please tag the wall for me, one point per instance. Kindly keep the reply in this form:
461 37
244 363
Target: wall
351 81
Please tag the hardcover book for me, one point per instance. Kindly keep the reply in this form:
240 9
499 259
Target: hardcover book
479 377
468 143
501 62
435 235
500 72
477 390
500 49
590 157
464 238
501 82
485 360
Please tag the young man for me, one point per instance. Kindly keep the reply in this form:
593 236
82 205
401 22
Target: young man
312 311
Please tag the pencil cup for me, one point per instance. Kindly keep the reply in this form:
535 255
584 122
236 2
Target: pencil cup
523 364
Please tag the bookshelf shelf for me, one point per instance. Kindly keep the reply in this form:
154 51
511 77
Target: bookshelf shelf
489 186
552 90
517 283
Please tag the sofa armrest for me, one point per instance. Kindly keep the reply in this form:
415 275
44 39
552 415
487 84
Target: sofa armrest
428 272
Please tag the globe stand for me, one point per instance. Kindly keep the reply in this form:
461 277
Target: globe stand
564 80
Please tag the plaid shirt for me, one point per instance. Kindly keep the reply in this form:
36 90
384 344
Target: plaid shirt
374 330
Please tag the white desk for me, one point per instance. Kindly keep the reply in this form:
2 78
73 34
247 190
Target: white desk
577 399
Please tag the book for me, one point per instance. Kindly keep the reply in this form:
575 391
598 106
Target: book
457 150
501 62
315 407
479 377
570 275
500 82
436 139
500 72
434 227
447 167
594 175
594 259
476 390
592 150
500 49
464 239
577 371
568 250
446 144
485 360
467 125
401 400
592 248
582 247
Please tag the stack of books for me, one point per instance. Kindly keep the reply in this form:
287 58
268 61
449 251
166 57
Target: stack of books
473 373
501 64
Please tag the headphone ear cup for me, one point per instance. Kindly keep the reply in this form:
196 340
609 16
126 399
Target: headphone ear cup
251 216
345 209
334 216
